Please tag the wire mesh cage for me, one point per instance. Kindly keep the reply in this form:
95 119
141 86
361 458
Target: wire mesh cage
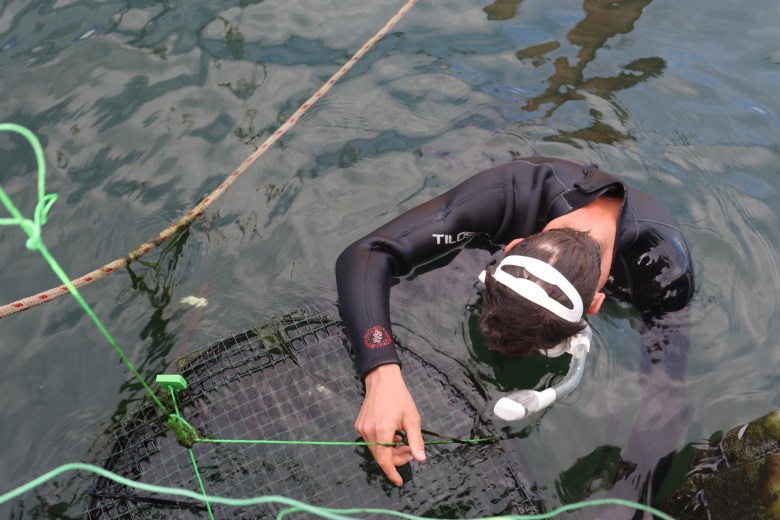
292 379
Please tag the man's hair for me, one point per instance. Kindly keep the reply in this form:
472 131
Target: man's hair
516 326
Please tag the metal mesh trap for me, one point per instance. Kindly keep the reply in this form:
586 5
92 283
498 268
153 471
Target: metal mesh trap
293 379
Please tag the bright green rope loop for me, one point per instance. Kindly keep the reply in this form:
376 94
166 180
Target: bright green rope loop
32 228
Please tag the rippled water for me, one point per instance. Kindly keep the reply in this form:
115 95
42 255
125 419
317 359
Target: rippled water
144 107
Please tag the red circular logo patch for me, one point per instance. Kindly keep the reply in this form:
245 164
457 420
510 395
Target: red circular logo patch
377 337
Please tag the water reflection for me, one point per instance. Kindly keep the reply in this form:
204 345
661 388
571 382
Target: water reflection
568 82
502 9
598 470
157 283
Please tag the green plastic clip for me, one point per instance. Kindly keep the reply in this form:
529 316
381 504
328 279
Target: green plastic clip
173 381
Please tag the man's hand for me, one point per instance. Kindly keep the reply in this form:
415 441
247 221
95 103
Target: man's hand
388 408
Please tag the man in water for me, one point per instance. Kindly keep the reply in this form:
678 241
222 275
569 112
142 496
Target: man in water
572 235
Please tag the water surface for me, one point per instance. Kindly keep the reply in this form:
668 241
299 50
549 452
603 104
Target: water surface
144 107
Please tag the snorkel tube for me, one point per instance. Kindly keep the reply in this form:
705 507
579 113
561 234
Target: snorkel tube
517 405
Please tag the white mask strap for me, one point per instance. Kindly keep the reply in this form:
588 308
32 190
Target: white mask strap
534 293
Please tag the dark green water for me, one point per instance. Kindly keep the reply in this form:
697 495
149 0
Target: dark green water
143 108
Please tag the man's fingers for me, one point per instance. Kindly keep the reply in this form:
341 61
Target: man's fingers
384 457
388 407
414 438
402 459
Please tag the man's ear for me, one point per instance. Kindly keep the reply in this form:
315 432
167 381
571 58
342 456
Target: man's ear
595 305
512 244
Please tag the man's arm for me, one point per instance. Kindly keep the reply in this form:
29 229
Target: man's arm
364 273
501 203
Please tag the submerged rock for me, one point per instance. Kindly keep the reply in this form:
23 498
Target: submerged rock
738 477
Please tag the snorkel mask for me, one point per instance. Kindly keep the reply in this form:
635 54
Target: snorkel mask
517 405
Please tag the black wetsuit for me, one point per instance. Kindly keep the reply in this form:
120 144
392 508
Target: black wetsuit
651 268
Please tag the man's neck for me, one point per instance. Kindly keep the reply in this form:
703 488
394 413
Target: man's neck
600 219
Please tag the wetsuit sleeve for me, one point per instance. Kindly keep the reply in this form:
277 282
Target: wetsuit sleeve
502 203
662 279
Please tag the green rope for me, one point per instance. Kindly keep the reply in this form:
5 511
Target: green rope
32 227
200 483
336 443
192 455
187 435
295 505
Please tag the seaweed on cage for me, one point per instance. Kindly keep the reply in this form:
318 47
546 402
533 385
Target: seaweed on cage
292 379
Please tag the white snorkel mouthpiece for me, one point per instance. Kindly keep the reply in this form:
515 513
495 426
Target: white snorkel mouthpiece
519 404
557 351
